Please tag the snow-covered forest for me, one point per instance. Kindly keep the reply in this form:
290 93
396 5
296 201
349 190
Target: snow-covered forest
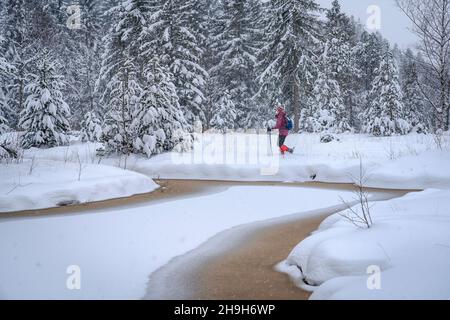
139 74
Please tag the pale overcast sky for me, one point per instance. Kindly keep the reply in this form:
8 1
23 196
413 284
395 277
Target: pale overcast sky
394 24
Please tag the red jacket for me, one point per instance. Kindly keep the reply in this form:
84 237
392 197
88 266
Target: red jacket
281 123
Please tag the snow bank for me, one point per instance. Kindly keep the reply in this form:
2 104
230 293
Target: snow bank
426 170
38 183
409 243
411 161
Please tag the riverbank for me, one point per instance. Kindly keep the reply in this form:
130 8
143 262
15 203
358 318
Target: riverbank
136 238
239 263
168 190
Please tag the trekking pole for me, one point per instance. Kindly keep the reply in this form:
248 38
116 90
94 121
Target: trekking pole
269 135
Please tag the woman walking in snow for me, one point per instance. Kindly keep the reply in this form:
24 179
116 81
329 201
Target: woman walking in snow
281 126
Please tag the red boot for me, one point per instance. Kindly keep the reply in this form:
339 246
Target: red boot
284 149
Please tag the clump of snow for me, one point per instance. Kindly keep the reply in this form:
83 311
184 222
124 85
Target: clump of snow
38 183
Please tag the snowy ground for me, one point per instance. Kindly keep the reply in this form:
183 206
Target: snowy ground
117 249
411 162
406 253
408 242
45 178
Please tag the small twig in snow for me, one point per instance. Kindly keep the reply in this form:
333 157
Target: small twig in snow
359 215
80 166
32 165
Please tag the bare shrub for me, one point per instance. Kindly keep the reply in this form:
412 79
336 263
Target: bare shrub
359 214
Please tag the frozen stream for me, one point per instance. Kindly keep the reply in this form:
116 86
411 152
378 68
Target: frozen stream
115 247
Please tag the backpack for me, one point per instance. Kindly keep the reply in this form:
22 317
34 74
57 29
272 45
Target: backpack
289 123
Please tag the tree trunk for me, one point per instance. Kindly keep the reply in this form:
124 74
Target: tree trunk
296 104
20 93
440 112
431 21
447 119
125 115
349 103
20 96
447 111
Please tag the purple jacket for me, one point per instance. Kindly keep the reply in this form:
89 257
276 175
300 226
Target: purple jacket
281 123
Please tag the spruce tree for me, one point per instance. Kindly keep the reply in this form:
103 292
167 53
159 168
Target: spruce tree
340 38
86 63
4 127
330 113
173 32
288 65
235 48
224 117
6 72
4 124
120 77
14 29
159 123
48 29
6 68
413 99
91 129
385 115
368 53
46 114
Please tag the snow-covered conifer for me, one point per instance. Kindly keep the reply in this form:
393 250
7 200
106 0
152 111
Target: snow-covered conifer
91 129
46 114
6 68
385 115
368 57
287 64
224 114
120 76
86 59
330 113
6 71
159 122
236 41
340 41
173 32
14 30
4 127
413 99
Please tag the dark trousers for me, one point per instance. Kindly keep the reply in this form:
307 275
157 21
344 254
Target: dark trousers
281 140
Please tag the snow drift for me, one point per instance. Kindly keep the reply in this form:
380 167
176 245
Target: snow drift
409 243
38 184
